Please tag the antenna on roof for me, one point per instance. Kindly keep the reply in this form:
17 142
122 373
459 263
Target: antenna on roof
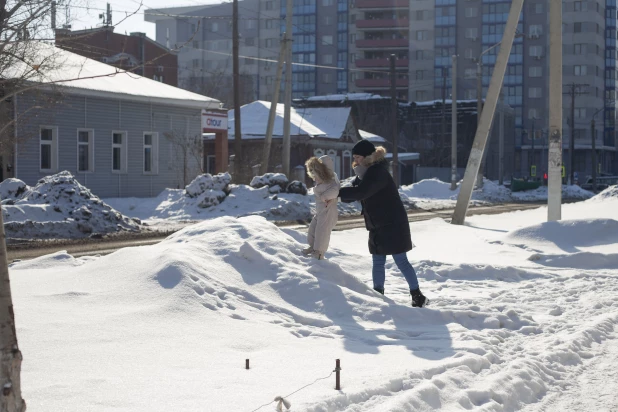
107 17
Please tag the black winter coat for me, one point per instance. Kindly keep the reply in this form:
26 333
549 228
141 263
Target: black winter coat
385 217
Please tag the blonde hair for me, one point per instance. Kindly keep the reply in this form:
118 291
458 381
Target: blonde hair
318 170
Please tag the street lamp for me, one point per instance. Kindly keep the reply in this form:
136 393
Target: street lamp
479 101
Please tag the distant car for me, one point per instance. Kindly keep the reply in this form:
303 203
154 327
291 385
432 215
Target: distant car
603 182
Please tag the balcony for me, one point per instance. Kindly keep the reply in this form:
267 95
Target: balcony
381 62
382 83
382 43
382 4
382 23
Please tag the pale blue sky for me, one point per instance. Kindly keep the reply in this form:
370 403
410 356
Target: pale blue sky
84 16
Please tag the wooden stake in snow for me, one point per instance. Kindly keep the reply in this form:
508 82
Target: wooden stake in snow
246 363
337 375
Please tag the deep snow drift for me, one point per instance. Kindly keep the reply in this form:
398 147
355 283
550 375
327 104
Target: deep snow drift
518 320
58 207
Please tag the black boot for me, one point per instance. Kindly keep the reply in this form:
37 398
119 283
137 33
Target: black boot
379 290
418 299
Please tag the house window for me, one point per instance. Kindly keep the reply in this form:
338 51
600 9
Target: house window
210 164
49 148
119 152
151 141
347 164
85 150
318 152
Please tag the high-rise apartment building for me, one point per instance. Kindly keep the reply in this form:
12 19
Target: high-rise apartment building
344 45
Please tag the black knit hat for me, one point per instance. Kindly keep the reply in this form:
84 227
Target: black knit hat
363 148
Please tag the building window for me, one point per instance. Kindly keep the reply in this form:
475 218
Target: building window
327 78
579 49
421 95
151 143
328 2
48 146
580 113
534 92
536 51
533 114
472 33
249 41
327 40
327 59
580 70
535 30
472 12
470 94
214 27
580 6
535 71
422 35
318 152
210 164
538 8
119 152
85 150
196 63
251 24
270 5
328 20
577 27
470 73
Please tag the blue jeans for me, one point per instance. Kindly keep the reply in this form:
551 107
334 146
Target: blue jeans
379 273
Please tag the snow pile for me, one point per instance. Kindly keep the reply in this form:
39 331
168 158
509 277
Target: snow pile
11 189
570 192
504 331
60 207
209 190
609 193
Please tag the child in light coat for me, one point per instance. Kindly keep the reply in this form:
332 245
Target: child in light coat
326 192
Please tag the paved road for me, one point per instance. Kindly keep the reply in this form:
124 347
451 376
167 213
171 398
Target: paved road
103 247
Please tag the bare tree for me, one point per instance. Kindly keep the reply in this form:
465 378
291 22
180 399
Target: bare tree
187 152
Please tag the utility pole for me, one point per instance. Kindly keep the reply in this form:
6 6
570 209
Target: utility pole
482 132
273 109
574 91
554 158
288 90
501 142
108 22
394 110
443 125
454 123
479 110
238 158
594 156
533 137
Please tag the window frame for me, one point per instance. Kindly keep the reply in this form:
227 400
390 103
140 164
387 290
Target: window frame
154 153
124 155
53 150
91 166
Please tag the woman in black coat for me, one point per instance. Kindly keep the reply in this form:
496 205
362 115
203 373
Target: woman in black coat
385 217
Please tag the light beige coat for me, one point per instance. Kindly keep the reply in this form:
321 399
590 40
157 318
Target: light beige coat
325 215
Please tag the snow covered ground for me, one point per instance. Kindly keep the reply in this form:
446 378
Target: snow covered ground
523 317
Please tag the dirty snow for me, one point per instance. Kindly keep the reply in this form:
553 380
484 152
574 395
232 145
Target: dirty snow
58 207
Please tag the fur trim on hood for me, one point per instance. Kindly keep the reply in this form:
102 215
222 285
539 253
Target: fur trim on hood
376 157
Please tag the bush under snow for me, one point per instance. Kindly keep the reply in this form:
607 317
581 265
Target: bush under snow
270 180
209 190
60 207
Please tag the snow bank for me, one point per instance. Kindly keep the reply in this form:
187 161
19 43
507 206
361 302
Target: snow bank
270 180
609 193
60 207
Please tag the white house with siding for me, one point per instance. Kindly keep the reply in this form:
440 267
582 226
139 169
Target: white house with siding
112 129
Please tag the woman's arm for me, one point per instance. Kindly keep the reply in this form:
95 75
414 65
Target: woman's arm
371 184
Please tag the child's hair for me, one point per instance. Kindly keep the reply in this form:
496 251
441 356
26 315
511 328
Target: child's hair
317 169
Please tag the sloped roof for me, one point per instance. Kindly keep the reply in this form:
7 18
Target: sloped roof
313 122
81 75
371 137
